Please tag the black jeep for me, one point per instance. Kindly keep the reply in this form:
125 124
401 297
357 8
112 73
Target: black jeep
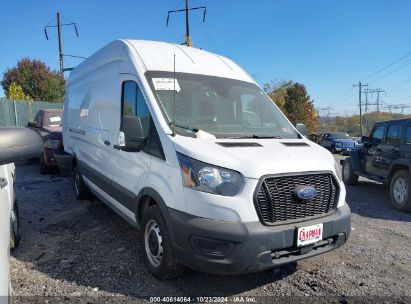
384 157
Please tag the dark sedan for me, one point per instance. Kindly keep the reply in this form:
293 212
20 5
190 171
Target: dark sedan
48 123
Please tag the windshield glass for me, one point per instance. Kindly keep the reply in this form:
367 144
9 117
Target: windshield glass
340 136
219 106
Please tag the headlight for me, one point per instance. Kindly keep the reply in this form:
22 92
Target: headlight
337 168
51 143
208 178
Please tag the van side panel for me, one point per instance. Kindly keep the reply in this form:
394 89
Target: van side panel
89 119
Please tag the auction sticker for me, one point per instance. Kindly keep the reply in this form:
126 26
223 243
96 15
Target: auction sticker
166 84
309 234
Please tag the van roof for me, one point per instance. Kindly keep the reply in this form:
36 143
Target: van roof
159 56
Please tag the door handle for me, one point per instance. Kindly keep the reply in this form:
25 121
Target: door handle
3 183
107 143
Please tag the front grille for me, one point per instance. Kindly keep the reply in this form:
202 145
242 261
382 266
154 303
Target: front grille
275 202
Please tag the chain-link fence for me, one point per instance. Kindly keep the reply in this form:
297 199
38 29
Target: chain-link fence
18 113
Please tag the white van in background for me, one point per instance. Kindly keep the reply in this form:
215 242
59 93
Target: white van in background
186 147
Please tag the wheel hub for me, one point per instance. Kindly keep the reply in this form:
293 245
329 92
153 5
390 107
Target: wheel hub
153 243
400 190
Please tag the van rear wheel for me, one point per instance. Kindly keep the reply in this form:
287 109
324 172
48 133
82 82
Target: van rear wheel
158 253
80 188
400 188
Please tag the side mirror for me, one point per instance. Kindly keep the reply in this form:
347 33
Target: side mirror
365 139
133 133
301 128
18 144
32 124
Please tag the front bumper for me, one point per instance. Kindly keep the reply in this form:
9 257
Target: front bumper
231 247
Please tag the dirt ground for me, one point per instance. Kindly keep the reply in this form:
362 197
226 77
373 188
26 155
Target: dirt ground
76 251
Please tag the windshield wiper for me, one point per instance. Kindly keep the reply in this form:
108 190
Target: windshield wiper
254 136
184 127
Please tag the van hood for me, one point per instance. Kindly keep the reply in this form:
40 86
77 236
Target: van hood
257 157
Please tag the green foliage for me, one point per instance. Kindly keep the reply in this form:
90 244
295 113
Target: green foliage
36 79
15 92
294 101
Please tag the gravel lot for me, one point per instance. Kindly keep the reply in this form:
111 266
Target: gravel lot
73 250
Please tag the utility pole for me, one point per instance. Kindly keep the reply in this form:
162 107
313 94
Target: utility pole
188 42
60 46
360 85
60 41
186 10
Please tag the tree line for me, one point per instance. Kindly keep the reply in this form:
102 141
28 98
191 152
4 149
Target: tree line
351 124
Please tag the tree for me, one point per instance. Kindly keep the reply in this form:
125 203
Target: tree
16 92
37 80
293 99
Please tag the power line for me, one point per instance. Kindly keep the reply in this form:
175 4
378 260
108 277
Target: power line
401 107
387 66
391 72
345 96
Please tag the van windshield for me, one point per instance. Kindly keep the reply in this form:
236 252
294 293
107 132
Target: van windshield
226 108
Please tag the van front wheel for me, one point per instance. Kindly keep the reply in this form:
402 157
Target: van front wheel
158 252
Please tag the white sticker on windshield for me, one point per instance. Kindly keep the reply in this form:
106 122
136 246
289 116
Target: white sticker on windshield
55 119
166 84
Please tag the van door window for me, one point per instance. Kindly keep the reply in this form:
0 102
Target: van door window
134 104
129 98
393 138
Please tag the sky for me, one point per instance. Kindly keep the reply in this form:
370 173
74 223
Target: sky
327 45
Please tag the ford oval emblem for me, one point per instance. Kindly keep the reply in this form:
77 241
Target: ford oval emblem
305 193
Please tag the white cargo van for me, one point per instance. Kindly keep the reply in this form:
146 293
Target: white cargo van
186 147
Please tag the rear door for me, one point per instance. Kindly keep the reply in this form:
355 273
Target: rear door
390 150
372 150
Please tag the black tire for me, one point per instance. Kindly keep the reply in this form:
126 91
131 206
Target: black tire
15 237
158 253
80 188
43 167
400 188
333 151
348 175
